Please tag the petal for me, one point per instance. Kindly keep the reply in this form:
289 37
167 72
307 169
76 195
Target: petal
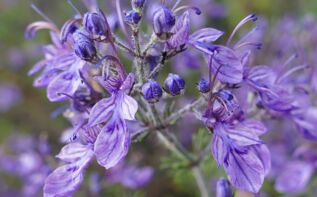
65 83
112 143
219 150
102 111
245 171
227 65
255 126
206 35
128 107
263 153
180 31
294 177
73 152
45 77
242 135
65 180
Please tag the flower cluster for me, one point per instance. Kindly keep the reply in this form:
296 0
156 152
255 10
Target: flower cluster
110 70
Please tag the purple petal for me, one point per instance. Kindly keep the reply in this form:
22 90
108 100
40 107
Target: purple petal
127 107
245 171
128 83
112 143
263 153
37 67
65 83
227 65
102 111
65 180
206 35
219 150
241 134
45 77
294 177
73 152
305 122
180 31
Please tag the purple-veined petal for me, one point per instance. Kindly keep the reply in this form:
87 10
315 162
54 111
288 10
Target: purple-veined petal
65 180
180 31
102 111
263 153
241 135
254 126
112 143
219 150
245 171
226 65
73 152
45 77
294 177
127 107
65 83
128 83
37 67
206 35
305 122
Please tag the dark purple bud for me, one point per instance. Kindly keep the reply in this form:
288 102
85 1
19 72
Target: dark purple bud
174 84
132 17
223 188
203 86
95 23
137 4
163 21
84 46
152 91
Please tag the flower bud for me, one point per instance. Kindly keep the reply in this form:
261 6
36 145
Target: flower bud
203 86
163 21
152 91
223 188
137 4
95 23
84 45
132 17
174 84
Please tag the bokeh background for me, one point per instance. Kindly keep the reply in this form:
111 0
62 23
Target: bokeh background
26 110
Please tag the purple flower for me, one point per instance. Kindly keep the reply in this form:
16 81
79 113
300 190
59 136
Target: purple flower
60 67
294 177
245 158
12 96
130 176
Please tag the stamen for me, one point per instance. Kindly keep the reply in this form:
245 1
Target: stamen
41 13
120 17
74 7
252 17
256 45
187 7
176 4
291 71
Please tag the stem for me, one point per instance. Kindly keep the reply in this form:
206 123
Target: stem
200 181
